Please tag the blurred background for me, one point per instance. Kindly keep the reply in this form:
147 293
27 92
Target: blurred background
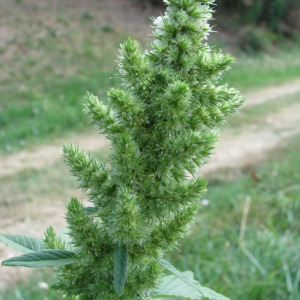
245 242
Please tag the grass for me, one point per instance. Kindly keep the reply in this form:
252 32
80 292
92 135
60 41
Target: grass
246 243
43 115
48 106
51 106
261 70
37 288
49 64
42 90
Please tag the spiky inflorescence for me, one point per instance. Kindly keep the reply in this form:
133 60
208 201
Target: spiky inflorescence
161 125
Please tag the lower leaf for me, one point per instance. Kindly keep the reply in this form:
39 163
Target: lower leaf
22 243
120 268
44 258
184 286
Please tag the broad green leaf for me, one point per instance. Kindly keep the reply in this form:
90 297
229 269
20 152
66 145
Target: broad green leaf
44 258
188 281
22 243
173 288
120 268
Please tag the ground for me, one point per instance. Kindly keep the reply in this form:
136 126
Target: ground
235 151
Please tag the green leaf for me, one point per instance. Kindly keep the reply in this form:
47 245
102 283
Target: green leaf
44 258
120 268
22 243
188 284
172 287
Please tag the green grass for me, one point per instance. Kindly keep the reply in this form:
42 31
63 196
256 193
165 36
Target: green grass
37 288
42 90
51 106
260 259
47 108
261 70
49 112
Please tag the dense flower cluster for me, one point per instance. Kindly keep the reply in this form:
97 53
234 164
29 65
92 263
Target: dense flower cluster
161 125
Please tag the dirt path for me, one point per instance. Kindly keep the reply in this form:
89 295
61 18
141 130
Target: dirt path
44 156
232 148
234 152
252 146
273 92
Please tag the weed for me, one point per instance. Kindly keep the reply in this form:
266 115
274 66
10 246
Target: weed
267 267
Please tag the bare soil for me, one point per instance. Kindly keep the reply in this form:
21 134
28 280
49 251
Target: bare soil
247 149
